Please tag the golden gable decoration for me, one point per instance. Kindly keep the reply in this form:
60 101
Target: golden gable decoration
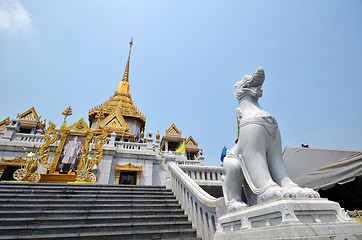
4 123
29 115
173 130
191 142
114 122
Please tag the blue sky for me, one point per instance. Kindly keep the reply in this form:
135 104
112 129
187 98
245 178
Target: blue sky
186 58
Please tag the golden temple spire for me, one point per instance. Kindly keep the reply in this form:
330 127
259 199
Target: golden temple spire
124 84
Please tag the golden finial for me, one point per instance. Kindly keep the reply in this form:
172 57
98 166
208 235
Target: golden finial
42 125
158 136
142 135
67 112
124 84
100 115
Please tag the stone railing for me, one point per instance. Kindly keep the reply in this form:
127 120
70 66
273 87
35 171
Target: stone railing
203 173
130 145
180 158
198 204
26 137
187 162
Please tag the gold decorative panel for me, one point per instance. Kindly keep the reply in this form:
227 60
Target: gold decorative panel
191 142
29 115
173 130
114 122
4 123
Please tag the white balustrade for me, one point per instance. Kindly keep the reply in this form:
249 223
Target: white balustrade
198 204
203 173
26 137
130 146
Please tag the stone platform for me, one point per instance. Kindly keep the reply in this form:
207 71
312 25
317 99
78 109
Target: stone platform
290 219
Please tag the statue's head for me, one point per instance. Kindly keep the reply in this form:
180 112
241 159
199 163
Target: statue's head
250 84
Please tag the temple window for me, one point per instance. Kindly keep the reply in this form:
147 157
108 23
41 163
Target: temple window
25 130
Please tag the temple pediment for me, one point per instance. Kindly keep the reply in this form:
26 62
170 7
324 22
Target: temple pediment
81 125
114 122
4 123
191 142
173 130
29 115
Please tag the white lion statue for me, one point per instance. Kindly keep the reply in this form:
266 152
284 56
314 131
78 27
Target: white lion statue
255 163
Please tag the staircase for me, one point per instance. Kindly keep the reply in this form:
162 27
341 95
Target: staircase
69 211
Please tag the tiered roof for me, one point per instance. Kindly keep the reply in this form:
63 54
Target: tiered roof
119 106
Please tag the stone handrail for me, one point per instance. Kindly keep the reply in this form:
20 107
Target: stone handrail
198 204
131 145
203 173
26 137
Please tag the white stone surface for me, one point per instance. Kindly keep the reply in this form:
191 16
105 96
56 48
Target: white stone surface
289 219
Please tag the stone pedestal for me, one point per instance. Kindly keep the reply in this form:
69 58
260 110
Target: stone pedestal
290 219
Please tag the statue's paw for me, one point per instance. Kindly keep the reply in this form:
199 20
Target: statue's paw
310 193
235 206
271 194
296 192
289 193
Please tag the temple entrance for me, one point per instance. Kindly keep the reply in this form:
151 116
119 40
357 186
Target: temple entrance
8 173
128 174
128 178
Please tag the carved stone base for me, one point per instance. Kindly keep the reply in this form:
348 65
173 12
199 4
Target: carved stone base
290 219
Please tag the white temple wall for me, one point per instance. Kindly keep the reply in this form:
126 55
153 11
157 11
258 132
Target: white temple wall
104 170
158 174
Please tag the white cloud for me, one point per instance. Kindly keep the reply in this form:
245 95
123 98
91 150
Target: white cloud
13 17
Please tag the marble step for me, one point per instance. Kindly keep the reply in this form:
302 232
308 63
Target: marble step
72 211
137 197
89 197
52 186
56 207
103 227
43 221
65 201
175 234
89 213
87 192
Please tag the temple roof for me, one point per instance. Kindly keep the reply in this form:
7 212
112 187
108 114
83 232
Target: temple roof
191 145
29 115
4 123
120 102
173 131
